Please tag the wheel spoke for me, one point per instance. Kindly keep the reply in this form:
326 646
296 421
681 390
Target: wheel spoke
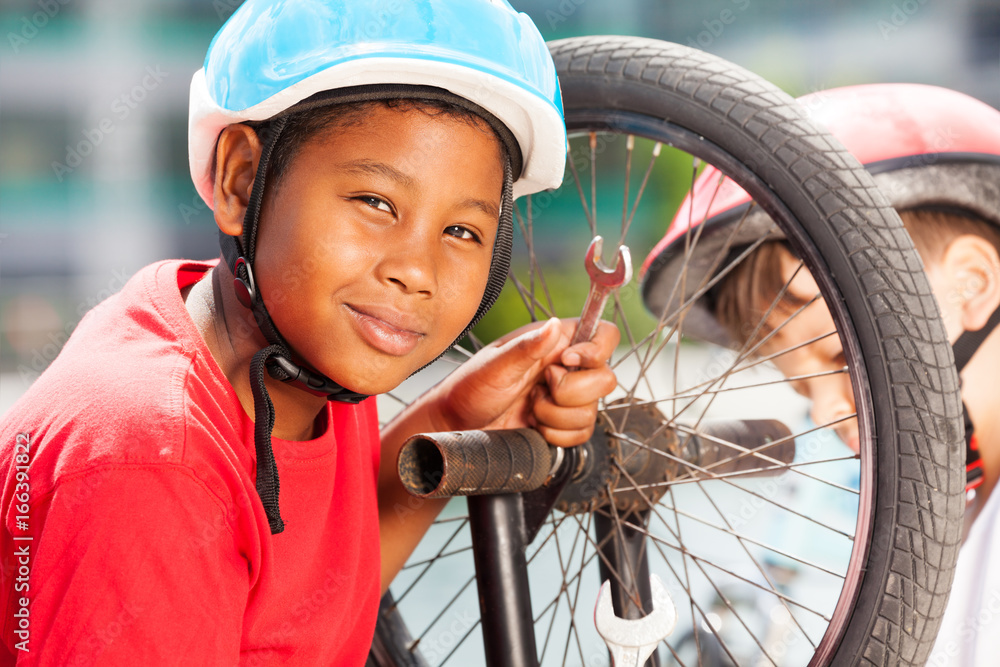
760 569
444 610
593 183
629 148
714 565
461 641
657 147
741 536
530 303
430 561
579 187
699 560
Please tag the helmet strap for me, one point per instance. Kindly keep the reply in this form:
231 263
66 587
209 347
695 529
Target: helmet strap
969 341
240 256
276 357
964 349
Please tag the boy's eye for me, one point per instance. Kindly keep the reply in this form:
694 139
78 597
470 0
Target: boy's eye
376 203
462 233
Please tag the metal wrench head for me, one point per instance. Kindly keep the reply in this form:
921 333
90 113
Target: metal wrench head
600 273
635 638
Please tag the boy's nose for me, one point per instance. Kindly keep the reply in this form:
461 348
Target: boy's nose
832 399
409 262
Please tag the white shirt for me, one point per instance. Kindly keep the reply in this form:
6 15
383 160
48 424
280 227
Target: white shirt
970 629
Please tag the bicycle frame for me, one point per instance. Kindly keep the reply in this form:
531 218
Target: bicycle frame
502 527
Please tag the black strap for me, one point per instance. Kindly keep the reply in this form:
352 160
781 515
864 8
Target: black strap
233 249
251 219
277 357
969 341
964 348
267 469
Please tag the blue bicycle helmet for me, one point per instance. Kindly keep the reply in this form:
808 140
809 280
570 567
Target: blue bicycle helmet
275 58
271 55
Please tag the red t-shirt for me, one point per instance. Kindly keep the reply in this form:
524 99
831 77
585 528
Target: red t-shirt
148 543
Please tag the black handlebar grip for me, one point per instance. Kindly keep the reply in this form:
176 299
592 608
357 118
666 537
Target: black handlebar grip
474 463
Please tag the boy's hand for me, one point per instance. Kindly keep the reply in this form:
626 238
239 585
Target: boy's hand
522 380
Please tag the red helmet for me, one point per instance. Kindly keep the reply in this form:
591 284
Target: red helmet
925 146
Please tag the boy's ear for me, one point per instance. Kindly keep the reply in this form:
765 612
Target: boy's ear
973 265
236 156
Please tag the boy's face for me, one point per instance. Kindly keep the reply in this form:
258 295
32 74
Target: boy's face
813 365
375 248
831 395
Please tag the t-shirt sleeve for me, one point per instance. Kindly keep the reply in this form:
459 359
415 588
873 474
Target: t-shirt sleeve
135 565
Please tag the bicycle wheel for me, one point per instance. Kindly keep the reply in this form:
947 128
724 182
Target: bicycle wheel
837 557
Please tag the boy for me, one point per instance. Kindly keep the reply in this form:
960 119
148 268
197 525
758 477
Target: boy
936 155
362 166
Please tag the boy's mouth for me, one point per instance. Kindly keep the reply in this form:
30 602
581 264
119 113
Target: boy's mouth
385 329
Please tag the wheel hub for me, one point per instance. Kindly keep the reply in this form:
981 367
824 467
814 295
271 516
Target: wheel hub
627 459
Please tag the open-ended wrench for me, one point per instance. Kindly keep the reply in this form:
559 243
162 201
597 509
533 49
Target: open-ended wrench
632 641
602 282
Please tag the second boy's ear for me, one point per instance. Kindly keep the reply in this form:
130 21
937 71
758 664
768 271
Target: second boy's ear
236 155
973 265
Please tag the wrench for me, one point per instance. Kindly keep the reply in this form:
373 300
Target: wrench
602 281
631 642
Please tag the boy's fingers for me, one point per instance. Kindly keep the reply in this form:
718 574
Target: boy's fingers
595 352
560 417
532 346
563 438
521 331
578 388
514 358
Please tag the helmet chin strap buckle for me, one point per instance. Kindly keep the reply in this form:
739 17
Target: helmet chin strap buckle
246 289
279 364
282 368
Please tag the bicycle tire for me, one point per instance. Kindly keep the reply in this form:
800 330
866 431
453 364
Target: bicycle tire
911 493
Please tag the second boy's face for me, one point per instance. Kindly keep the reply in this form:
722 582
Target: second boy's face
376 246
816 369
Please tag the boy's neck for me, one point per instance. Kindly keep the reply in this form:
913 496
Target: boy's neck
224 325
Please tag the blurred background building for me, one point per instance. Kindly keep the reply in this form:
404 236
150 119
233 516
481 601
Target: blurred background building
94 180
